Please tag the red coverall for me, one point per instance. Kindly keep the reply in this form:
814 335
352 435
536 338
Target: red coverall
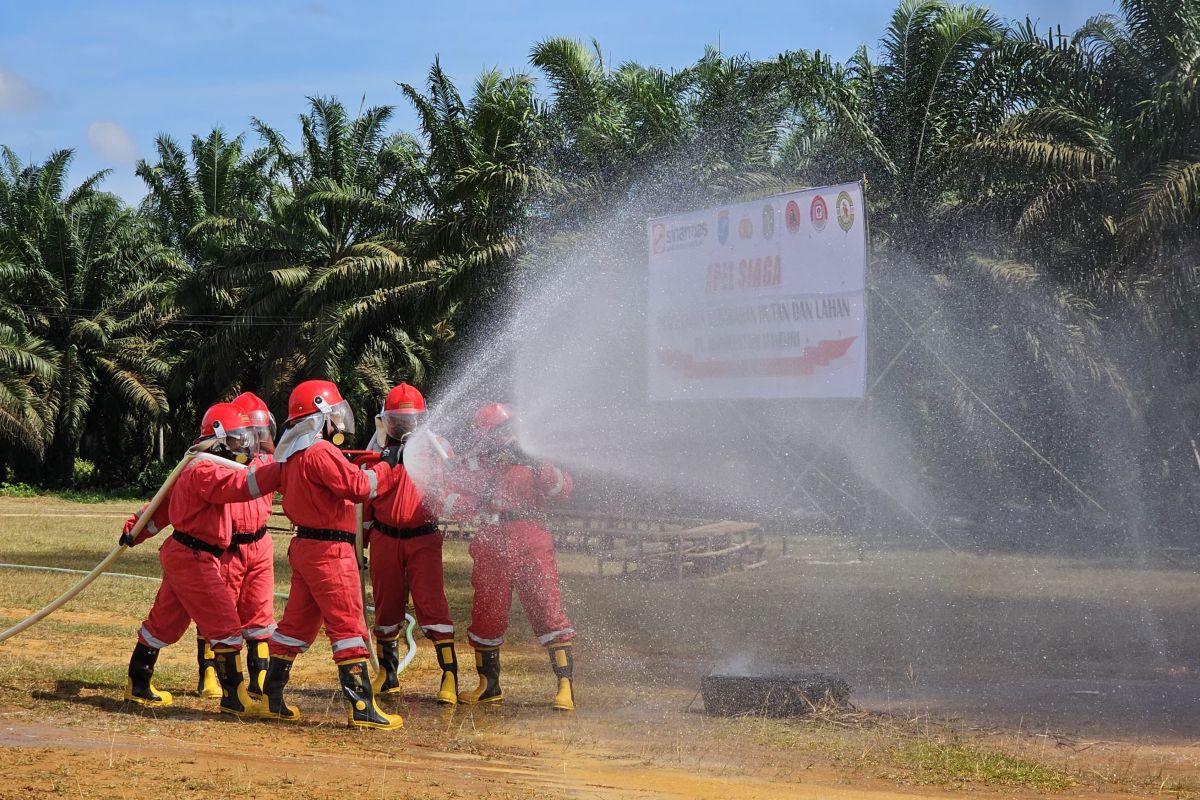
193 586
514 549
406 549
249 568
319 489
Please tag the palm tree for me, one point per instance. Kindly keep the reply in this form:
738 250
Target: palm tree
81 264
299 274
474 181
27 368
640 136
220 179
1107 164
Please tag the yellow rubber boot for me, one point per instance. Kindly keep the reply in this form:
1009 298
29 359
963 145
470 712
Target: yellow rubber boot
448 661
235 700
487 664
207 685
363 712
279 670
139 686
257 659
387 679
563 664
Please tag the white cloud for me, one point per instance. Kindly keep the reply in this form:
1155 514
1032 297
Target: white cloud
112 142
18 94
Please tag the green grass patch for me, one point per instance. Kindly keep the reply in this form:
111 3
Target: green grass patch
950 764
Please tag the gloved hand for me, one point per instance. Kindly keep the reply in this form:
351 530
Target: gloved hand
125 538
392 455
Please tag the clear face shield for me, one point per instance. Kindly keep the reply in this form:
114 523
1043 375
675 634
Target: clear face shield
500 441
263 425
399 424
339 417
241 442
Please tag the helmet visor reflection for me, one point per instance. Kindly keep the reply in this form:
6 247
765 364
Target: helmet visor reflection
242 440
399 424
342 417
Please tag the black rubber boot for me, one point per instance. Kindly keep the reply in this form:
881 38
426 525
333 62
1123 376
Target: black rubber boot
563 664
207 685
487 664
388 679
139 688
257 659
278 672
357 690
448 689
235 700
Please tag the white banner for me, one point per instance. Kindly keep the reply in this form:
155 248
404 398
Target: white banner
761 299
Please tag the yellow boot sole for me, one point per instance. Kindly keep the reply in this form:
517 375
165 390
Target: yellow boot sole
393 724
378 726
266 713
211 688
469 698
167 697
448 692
254 709
565 699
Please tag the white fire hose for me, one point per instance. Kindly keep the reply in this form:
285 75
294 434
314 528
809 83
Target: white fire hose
410 623
138 526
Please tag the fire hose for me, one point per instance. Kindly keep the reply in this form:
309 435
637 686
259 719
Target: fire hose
108 560
410 622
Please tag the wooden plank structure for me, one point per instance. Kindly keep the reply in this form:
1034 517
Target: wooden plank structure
644 548
652 549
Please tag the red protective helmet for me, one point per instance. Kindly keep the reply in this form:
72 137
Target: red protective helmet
405 399
227 423
493 415
321 397
261 418
303 400
255 408
403 411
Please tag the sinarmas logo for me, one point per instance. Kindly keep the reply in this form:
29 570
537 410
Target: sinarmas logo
672 237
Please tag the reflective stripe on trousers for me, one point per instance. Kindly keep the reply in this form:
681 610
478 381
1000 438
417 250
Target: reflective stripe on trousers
346 644
288 641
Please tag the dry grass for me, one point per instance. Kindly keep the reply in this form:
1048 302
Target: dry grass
638 666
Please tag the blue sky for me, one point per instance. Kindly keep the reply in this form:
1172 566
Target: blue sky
105 78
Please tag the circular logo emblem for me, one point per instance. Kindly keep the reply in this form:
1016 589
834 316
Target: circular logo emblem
722 226
791 216
818 212
768 221
845 211
745 228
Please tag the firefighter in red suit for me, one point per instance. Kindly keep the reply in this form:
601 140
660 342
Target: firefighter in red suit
249 567
320 488
193 586
406 545
513 549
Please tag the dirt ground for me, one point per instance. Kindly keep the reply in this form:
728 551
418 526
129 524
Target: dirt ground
937 712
